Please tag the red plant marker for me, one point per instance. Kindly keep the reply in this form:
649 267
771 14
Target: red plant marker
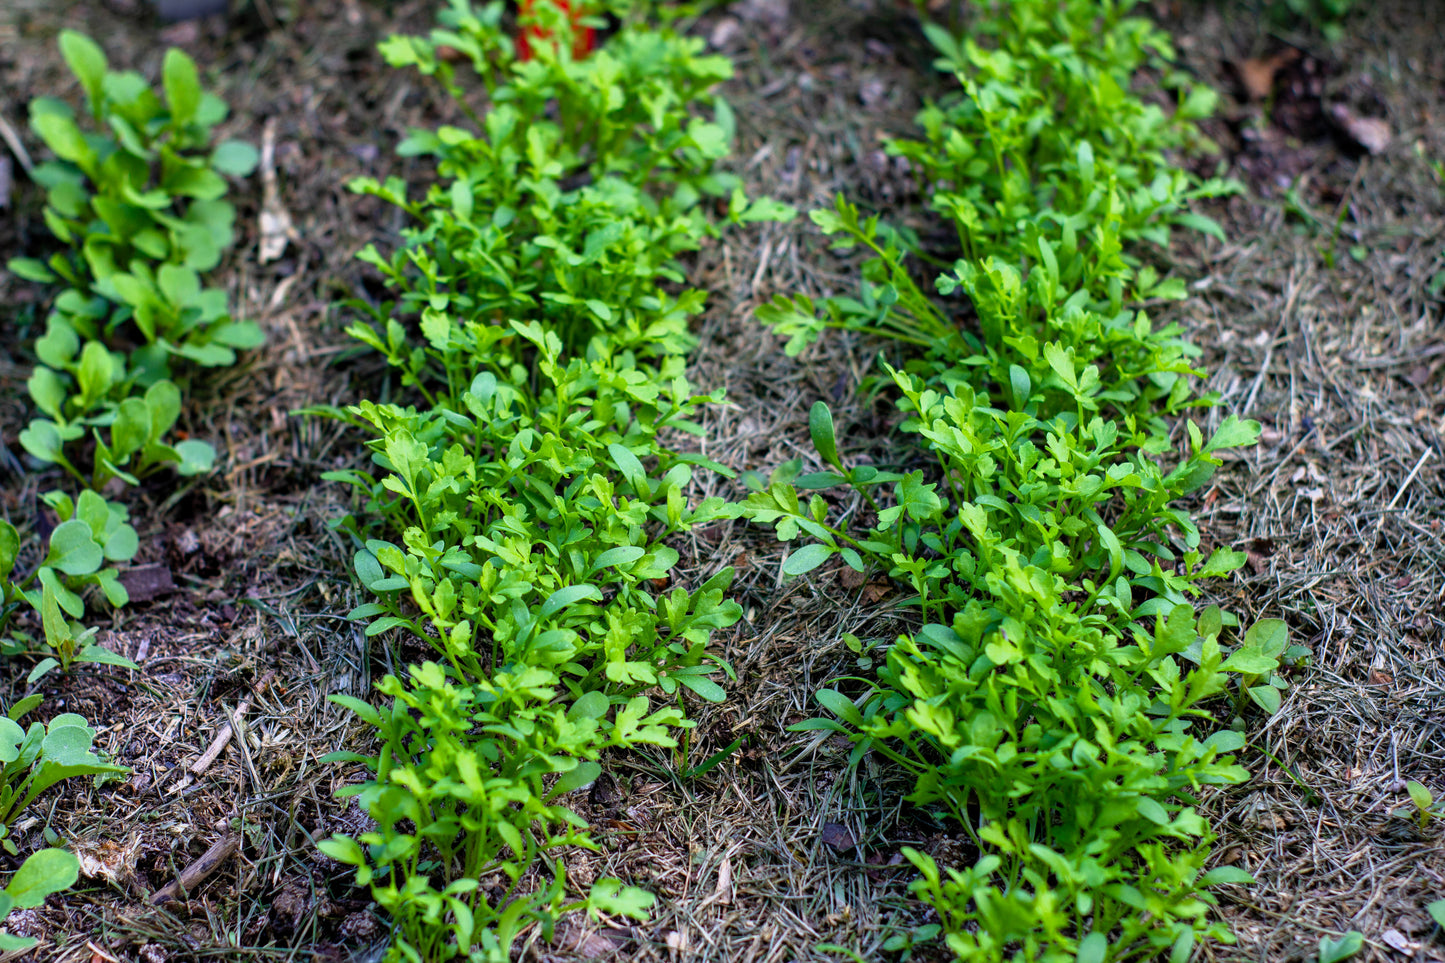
583 38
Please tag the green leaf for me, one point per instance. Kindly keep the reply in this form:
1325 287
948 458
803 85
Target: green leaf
1092 949
806 559
563 597
364 710
9 549
918 499
1419 795
73 549
1267 697
820 426
61 135
45 872
610 896
1234 433
1250 662
86 60
631 468
197 457
621 555
1437 912
31 270
1269 636
583 774
99 655
344 850
840 705
1332 951
703 686
590 705
182 86
41 668
235 158
20 709
1221 875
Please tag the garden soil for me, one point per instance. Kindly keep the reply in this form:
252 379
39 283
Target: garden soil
1317 318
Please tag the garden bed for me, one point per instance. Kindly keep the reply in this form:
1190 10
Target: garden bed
1317 319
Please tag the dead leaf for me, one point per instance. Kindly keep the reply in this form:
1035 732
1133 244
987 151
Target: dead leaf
723 895
837 836
1256 74
1396 941
1371 133
145 582
586 943
724 32
676 941
275 221
106 859
876 592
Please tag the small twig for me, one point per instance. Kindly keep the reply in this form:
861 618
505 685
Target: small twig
12 140
239 726
224 736
1258 380
198 872
1410 477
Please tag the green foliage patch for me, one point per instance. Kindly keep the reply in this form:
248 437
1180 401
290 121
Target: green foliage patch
1060 702
135 193
517 520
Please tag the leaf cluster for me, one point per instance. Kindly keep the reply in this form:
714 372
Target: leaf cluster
1057 700
135 192
517 518
136 196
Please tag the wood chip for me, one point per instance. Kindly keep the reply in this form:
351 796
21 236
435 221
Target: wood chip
1371 133
198 872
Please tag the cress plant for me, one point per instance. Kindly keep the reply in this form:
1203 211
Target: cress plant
44 872
136 196
1059 699
135 193
517 519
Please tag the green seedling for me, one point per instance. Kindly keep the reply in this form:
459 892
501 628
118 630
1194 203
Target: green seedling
135 193
1257 661
37 758
516 521
144 188
1426 808
1058 700
44 872
1333 950
90 533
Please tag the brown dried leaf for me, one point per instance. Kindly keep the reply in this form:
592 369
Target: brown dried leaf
1257 74
106 859
1371 133
837 836
723 895
146 582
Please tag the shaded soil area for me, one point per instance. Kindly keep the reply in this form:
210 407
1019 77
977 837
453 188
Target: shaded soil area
1320 318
